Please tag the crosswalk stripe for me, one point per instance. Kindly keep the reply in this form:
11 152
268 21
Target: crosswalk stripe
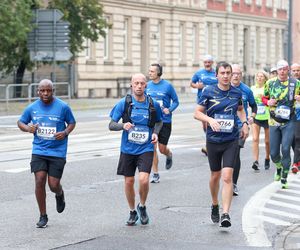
286 197
284 204
273 220
280 213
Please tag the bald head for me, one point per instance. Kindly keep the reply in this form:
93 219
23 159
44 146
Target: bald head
295 70
139 77
46 82
45 91
236 75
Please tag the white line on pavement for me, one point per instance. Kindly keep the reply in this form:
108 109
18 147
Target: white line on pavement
280 213
273 220
253 227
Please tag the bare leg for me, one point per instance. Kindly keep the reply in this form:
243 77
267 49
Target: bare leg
143 187
214 185
227 188
255 144
40 191
129 191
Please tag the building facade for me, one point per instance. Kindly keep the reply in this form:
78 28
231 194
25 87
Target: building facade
176 34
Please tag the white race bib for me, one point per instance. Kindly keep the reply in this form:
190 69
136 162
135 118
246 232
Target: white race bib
261 110
283 112
226 122
139 134
46 132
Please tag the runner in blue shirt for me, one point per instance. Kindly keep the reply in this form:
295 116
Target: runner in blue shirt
141 123
50 120
164 93
204 77
248 100
221 106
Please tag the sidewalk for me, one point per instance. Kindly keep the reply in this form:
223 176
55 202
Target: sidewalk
15 108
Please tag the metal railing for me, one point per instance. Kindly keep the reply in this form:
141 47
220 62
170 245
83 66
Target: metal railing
29 94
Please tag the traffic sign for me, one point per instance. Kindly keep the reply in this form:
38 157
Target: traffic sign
49 40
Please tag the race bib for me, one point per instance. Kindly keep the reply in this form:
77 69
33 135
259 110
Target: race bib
226 122
261 110
138 134
46 132
283 112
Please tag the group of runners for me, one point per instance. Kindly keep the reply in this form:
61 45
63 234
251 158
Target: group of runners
145 119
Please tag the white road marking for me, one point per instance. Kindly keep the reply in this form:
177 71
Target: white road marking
286 197
253 227
273 220
280 213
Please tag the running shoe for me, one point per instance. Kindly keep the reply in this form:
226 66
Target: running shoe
43 221
60 202
169 161
155 178
277 176
284 184
267 164
255 166
133 218
204 151
235 190
143 214
295 168
225 220
215 215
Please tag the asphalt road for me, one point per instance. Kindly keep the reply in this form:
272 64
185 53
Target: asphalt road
96 210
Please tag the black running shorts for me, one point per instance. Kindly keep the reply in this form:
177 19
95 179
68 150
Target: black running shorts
128 163
218 152
165 133
54 166
261 123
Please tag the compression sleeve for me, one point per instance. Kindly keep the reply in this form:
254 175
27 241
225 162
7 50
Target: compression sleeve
157 127
115 126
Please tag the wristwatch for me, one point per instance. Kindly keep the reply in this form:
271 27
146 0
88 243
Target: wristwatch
246 123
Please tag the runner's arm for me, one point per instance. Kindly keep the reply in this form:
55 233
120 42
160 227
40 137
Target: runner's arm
157 127
115 126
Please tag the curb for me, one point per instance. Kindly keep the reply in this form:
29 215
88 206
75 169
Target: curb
283 241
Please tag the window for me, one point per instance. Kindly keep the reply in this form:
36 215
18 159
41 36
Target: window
257 44
219 41
248 2
269 3
236 1
87 49
208 36
182 43
107 50
259 3
127 39
268 43
195 43
235 44
161 41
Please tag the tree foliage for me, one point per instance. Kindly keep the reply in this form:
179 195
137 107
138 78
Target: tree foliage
15 23
85 17
86 20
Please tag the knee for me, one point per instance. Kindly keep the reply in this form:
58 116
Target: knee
227 179
215 177
144 180
162 149
255 139
129 181
40 181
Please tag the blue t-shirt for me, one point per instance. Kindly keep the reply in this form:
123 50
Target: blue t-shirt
137 140
248 98
51 118
206 77
222 105
164 93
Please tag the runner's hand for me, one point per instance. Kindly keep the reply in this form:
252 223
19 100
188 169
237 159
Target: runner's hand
60 135
244 131
127 126
154 138
32 128
215 126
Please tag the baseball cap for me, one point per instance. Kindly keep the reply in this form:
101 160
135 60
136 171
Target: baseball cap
208 58
273 69
282 64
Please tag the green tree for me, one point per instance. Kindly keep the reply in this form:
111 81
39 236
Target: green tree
86 22
15 23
